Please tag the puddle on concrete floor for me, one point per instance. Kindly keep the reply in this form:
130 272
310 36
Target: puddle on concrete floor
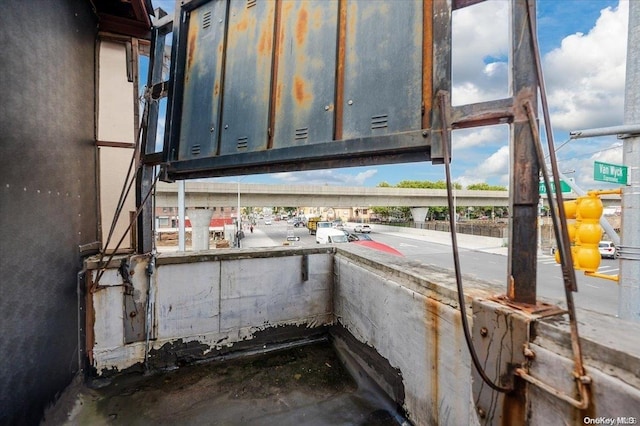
299 386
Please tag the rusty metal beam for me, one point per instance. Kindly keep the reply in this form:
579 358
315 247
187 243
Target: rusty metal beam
275 60
427 62
441 52
342 46
521 287
482 114
459 4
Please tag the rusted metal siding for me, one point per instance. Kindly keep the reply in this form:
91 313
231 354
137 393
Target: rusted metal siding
202 81
383 68
305 81
264 86
247 76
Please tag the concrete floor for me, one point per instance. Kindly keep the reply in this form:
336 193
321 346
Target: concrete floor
299 386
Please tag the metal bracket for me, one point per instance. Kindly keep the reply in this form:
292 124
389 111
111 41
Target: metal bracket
441 116
500 334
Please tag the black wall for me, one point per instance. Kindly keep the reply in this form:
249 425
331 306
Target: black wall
48 195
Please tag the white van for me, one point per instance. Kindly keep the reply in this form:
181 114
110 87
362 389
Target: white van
330 235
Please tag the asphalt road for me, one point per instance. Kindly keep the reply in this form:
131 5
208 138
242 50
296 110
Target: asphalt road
594 294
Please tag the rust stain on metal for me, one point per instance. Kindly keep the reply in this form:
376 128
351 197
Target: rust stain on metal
540 308
485 118
279 96
191 50
302 26
519 100
264 44
242 25
342 30
432 322
317 19
427 62
514 404
275 89
90 318
299 90
216 88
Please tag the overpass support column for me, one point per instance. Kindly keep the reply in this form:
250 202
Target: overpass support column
200 220
419 214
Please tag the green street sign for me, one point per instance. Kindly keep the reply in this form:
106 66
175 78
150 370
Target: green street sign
612 173
564 187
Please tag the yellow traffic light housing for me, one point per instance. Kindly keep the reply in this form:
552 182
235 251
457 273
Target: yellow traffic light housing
588 232
585 233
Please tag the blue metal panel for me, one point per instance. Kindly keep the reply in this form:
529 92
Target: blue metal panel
298 85
202 81
247 82
305 85
383 67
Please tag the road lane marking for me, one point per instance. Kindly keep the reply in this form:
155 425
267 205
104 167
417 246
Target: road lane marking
407 245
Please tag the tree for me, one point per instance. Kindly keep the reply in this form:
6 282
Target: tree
485 210
426 184
404 213
485 187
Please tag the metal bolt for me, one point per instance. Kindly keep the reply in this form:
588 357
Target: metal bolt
484 331
350 102
425 133
326 107
226 126
212 129
482 413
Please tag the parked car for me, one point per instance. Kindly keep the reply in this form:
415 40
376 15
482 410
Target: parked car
364 228
353 236
328 235
607 249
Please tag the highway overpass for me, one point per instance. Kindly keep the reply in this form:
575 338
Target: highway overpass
216 194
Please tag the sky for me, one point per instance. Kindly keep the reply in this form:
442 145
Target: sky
583 46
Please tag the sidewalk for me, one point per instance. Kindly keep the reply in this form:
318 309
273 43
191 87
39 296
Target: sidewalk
257 239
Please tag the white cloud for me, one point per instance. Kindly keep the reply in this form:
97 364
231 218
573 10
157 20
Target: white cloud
326 177
585 76
480 46
482 136
494 167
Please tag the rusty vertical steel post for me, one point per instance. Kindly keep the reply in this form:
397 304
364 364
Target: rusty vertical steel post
441 35
145 178
523 179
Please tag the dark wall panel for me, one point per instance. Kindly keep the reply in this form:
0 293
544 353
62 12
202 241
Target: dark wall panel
48 196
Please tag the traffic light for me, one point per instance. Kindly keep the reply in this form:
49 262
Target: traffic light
585 233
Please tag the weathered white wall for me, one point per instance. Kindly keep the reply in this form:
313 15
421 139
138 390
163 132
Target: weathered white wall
115 124
417 332
211 301
405 311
